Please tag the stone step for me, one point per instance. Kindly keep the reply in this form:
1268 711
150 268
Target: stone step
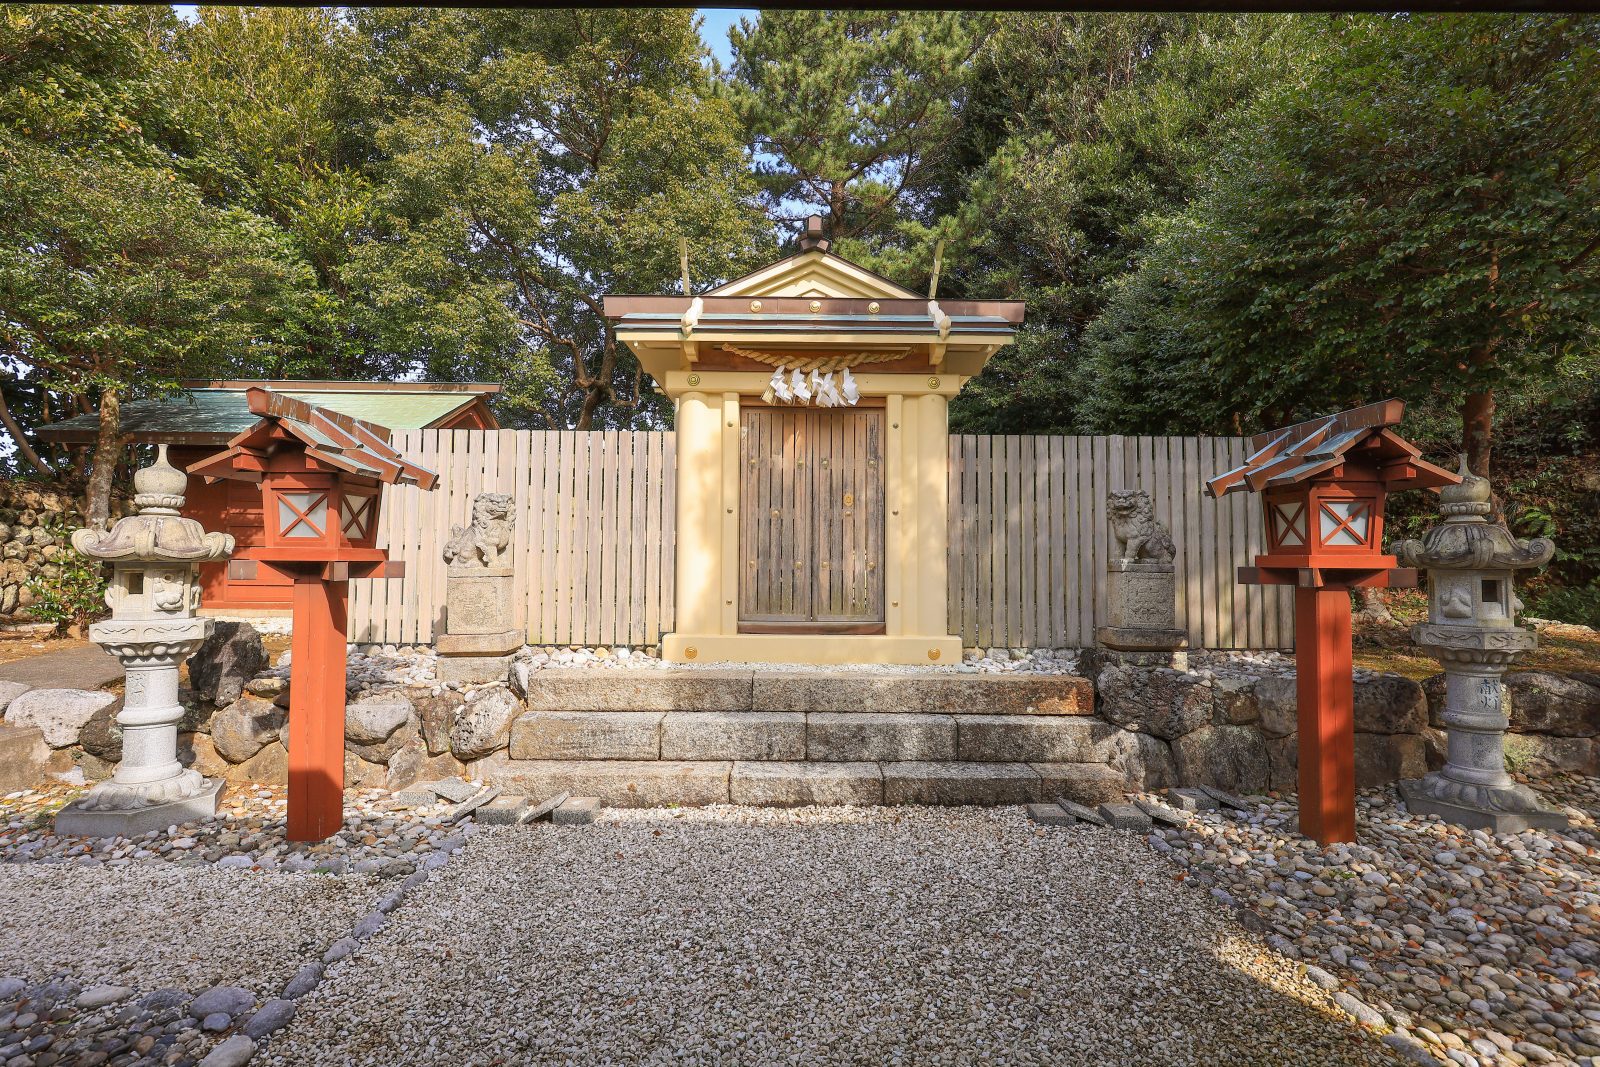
618 783
822 736
787 785
779 783
25 758
846 736
731 690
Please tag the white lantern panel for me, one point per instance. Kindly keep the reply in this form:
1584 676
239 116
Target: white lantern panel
303 515
355 514
1290 520
1345 522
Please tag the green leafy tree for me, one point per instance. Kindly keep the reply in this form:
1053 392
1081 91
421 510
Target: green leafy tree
1080 128
529 164
1413 213
855 115
115 275
268 129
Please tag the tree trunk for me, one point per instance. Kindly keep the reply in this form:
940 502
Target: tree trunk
1371 607
1477 430
107 451
19 440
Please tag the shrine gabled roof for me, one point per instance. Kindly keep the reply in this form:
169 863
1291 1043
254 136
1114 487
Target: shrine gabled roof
332 438
1300 452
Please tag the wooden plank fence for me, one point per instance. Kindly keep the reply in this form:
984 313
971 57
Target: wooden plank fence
1028 536
1029 539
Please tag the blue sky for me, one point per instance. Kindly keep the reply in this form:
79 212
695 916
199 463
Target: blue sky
714 30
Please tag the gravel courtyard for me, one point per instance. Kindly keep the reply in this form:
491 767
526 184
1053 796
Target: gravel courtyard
864 936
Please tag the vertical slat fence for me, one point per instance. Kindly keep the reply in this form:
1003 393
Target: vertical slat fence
1028 536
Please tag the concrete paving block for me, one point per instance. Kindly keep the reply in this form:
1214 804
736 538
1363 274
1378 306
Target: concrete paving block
921 782
1081 813
1189 798
665 689
1086 783
853 736
1227 799
1161 813
1125 817
1023 738
733 735
597 735
576 811
776 784
1050 815
502 811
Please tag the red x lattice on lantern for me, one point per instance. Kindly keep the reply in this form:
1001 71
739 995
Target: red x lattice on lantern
1324 483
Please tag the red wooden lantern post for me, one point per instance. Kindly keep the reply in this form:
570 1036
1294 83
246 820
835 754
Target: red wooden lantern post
1323 485
321 474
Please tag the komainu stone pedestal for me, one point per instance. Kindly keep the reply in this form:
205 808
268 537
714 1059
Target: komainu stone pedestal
1143 602
478 640
480 631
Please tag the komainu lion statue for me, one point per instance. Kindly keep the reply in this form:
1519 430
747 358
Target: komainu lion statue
487 541
1140 538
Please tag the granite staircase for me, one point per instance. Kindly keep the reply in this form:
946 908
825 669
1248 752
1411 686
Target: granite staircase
698 736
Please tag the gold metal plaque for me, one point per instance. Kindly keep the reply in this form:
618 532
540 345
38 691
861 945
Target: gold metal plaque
849 500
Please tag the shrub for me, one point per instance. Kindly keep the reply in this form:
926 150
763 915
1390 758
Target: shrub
1575 603
76 596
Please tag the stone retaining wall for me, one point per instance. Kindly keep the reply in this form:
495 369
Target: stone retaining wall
700 735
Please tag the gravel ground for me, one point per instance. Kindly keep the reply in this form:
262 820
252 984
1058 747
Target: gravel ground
738 935
189 928
1479 949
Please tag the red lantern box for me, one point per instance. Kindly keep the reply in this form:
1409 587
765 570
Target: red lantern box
321 475
1323 484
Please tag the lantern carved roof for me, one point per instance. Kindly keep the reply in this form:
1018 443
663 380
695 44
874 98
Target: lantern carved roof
1466 540
157 534
332 440
1323 446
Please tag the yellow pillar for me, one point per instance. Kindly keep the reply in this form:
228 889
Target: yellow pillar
895 577
728 547
700 474
933 513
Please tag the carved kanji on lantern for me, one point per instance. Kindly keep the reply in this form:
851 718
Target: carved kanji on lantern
321 474
1323 485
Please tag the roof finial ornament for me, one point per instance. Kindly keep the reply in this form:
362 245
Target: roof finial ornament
811 239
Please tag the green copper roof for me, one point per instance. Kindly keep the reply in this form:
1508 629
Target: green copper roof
206 415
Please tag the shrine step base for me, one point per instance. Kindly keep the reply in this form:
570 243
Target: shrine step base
785 783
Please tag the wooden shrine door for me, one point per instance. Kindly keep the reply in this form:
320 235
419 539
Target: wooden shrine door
811 503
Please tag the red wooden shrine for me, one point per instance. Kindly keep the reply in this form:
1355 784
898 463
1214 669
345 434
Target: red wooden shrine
1323 485
321 475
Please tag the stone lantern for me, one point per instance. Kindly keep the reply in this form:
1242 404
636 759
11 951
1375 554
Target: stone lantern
1472 631
154 591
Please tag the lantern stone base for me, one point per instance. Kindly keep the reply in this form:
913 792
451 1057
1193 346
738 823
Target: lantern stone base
75 821
1420 801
